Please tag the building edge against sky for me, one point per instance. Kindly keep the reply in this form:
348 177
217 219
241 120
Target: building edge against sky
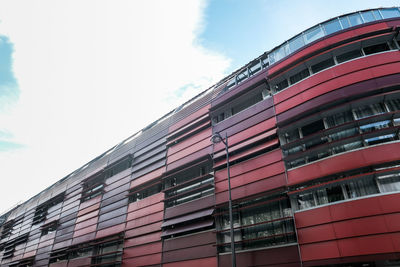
313 128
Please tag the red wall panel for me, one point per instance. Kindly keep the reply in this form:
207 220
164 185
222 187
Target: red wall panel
147 177
147 249
205 134
205 262
343 162
189 118
320 250
143 260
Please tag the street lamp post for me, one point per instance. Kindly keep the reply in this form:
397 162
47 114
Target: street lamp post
215 139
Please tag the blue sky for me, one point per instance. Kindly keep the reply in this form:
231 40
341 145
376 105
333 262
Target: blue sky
77 77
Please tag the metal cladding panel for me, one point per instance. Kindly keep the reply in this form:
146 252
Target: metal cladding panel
203 153
239 89
189 118
161 156
326 43
140 240
283 256
343 162
195 205
242 116
195 147
270 184
142 250
148 260
146 229
147 177
190 253
151 218
200 239
151 136
368 73
204 134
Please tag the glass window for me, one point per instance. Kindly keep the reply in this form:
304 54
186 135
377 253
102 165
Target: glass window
297 162
376 48
370 110
377 15
296 43
389 182
299 76
292 135
256 67
322 65
313 34
281 52
349 56
339 118
374 126
355 19
294 150
368 16
282 85
241 76
335 193
332 26
345 22
390 13
314 127
265 62
393 104
363 187
379 139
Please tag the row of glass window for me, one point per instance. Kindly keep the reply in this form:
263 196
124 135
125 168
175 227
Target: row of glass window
328 28
378 183
343 131
257 223
309 36
283 82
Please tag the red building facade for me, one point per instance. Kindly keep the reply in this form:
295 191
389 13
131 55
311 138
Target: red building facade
313 129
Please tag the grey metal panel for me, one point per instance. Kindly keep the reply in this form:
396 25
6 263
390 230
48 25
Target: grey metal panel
158 142
147 140
112 222
150 161
148 169
150 154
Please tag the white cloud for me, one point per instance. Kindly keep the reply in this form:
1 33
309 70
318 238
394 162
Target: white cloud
91 73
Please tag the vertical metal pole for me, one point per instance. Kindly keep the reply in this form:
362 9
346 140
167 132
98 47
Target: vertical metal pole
230 204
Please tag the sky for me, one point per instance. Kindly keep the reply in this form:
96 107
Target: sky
77 77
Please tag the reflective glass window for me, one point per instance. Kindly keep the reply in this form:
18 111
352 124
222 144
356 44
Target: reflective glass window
296 43
339 118
256 67
305 201
313 34
332 26
389 182
377 14
370 110
355 19
343 134
368 16
390 13
282 85
379 139
241 76
345 22
374 126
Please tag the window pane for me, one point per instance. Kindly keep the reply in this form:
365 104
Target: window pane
374 126
332 26
299 76
349 56
377 14
376 48
241 76
390 13
313 34
282 85
393 104
313 128
368 16
292 135
345 22
305 201
322 65
389 182
335 193
370 110
379 139
355 19
255 68
339 118
296 43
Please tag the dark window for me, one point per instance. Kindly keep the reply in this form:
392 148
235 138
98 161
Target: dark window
119 166
142 192
282 85
314 127
322 65
41 210
299 76
49 228
189 185
248 103
93 187
376 48
349 56
7 229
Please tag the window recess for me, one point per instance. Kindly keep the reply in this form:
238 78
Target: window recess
49 228
256 95
9 246
144 191
356 125
189 184
262 222
27 262
93 187
42 210
104 252
341 187
340 55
